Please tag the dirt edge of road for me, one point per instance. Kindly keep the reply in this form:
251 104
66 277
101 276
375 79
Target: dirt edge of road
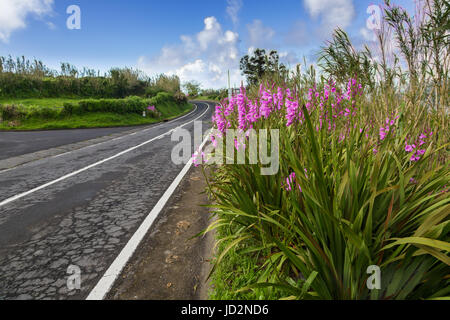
171 263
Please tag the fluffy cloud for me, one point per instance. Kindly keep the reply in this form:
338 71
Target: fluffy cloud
368 35
260 36
289 58
332 13
233 8
205 57
13 14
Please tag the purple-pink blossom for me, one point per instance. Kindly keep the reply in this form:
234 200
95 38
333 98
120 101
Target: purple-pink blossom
291 182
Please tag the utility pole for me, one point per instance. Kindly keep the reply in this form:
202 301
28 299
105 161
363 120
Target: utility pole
229 87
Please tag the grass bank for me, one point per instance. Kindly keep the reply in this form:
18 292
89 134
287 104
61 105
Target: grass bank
208 98
55 103
66 113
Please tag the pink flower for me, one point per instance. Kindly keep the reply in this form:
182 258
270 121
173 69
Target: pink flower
198 158
347 112
384 132
410 148
420 152
241 110
291 112
290 182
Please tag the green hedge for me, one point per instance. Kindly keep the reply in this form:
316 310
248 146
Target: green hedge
163 101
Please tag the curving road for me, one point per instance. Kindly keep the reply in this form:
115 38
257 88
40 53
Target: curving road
81 207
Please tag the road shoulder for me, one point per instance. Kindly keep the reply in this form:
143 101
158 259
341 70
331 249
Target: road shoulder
171 263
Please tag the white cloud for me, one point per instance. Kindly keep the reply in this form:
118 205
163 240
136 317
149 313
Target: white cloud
51 25
260 36
205 57
332 13
233 8
368 35
13 14
288 58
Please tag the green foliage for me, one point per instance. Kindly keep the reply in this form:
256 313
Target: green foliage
75 121
163 83
356 207
10 112
167 105
341 61
214 94
362 200
122 106
259 64
180 97
193 88
20 117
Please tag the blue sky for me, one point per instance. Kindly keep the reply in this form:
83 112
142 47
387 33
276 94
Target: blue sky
198 39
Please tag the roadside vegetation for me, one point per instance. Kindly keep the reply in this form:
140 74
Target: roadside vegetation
195 91
364 173
34 97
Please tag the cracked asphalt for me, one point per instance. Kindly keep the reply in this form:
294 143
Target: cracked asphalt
84 220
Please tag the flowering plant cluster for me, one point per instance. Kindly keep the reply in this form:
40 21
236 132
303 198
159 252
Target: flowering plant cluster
346 194
152 109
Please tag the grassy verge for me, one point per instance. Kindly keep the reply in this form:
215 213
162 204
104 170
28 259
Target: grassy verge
95 119
240 269
206 98
40 102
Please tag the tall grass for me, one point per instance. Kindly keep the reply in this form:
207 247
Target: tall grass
364 180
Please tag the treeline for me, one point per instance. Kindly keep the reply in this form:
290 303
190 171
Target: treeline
24 78
214 94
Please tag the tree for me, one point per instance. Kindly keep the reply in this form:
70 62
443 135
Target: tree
259 64
193 88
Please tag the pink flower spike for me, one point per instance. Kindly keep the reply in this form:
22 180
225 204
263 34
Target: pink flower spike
409 148
421 152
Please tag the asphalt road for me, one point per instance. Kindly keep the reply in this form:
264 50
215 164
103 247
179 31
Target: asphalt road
84 219
13 144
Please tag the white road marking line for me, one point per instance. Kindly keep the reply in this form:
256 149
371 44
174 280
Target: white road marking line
109 277
21 195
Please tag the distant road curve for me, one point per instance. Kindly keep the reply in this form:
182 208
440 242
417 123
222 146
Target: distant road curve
17 143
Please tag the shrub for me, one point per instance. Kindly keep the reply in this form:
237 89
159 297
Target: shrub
180 98
71 109
11 112
121 106
152 91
